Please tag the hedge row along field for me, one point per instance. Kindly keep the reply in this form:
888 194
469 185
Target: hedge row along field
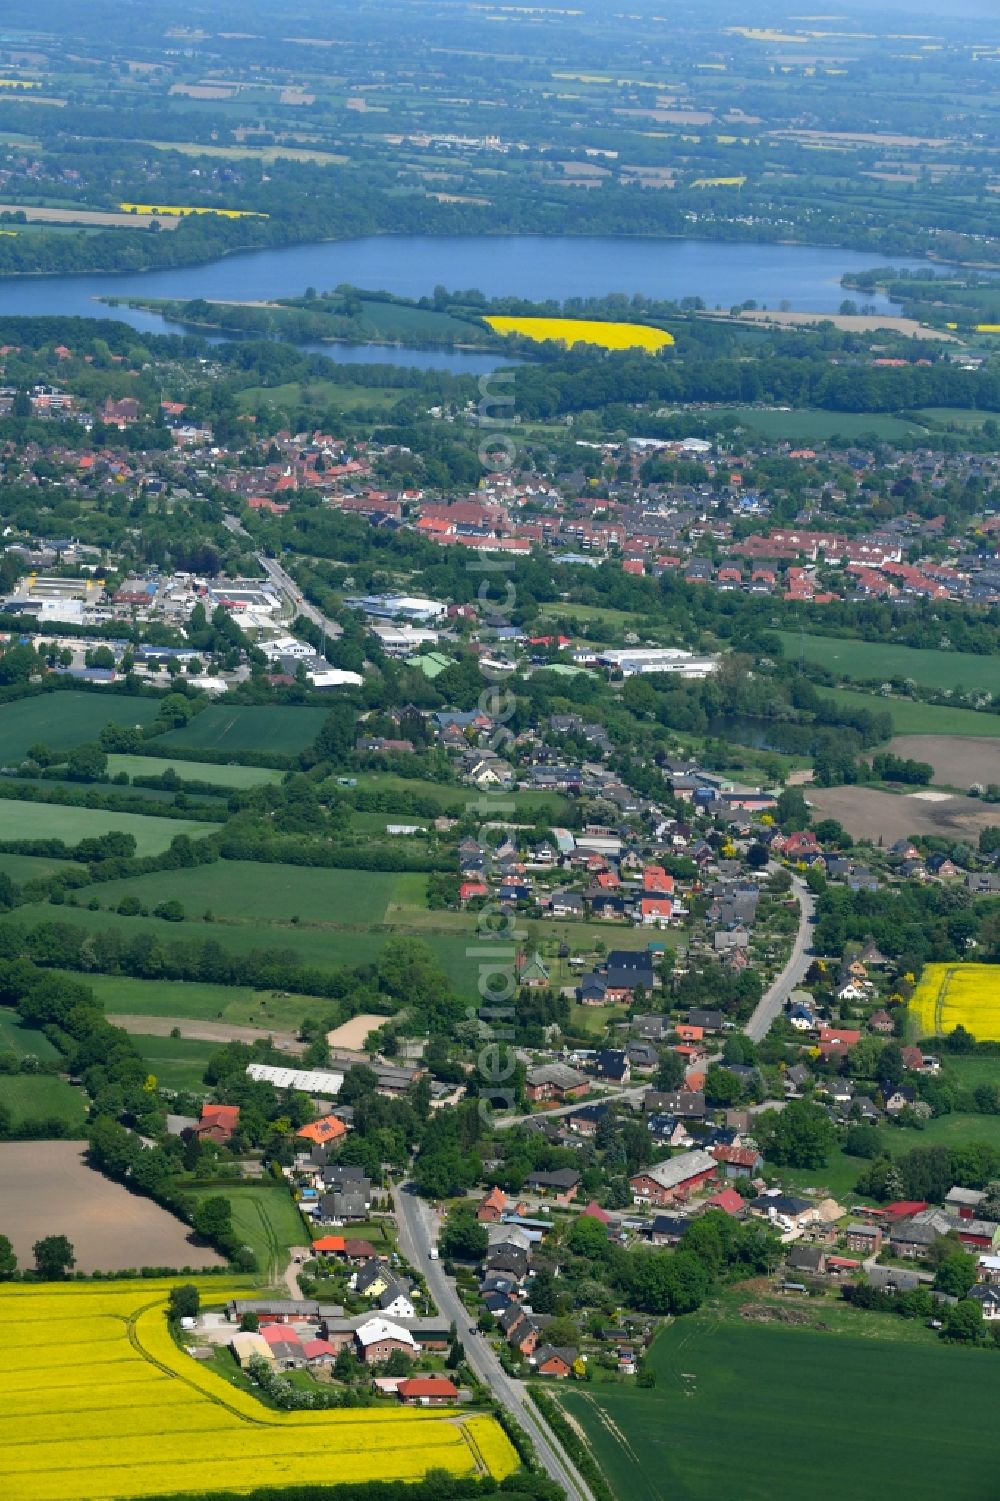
99 1404
952 995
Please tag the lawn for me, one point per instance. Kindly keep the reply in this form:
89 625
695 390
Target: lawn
876 660
808 426
266 1218
62 720
759 1413
41 1095
177 1062
57 821
912 718
22 1040
197 1001
238 728
193 771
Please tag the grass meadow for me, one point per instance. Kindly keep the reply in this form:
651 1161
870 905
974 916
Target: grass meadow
28 1095
196 1001
774 1414
870 660
912 718
177 1062
193 771
266 1218
58 821
807 426
15 1038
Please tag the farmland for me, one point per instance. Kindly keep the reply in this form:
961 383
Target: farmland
110 1228
245 891
22 1040
193 771
868 661
62 720
952 995
223 728
803 425
912 718
127 1399
23 868
582 331
777 1395
957 762
868 813
57 821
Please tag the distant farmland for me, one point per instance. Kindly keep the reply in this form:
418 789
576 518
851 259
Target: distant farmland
62 720
247 728
56 821
871 661
912 718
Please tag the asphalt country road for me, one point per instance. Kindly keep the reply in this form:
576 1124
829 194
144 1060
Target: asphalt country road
417 1233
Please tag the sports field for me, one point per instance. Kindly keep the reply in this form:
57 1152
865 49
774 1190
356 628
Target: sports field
869 661
758 1413
912 718
112 1407
193 771
56 821
62 720
247 728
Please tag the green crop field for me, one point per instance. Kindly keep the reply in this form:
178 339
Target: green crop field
23 1041
871 660
804 425
177 1062
62 720
23 868
193 771
911 718
323 948
265 1218
196 1001
241 889
751 1413
242 728
33 1096
57 821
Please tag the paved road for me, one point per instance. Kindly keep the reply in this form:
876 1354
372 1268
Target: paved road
296 599
794 971
417 1233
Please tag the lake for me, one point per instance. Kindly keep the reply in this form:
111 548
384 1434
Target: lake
807 277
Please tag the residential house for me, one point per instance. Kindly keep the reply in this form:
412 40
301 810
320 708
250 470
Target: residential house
783 1209
550 1360
491 1206
395 1301
427 1391
217 1123
669 1229
562 1184
674 1180
378 1338
372 1279
685 1104
555 1081
738 1162
613 1064
988 1298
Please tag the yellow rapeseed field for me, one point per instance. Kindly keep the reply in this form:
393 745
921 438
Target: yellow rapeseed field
718 182
178 211
583 331
950 995
99 1404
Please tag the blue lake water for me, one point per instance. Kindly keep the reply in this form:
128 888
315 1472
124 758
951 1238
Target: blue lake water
807 277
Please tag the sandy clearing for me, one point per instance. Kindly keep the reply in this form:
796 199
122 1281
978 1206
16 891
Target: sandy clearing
957 761
83 216
352 1034
46 1188
869 814
851 322
199 1031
